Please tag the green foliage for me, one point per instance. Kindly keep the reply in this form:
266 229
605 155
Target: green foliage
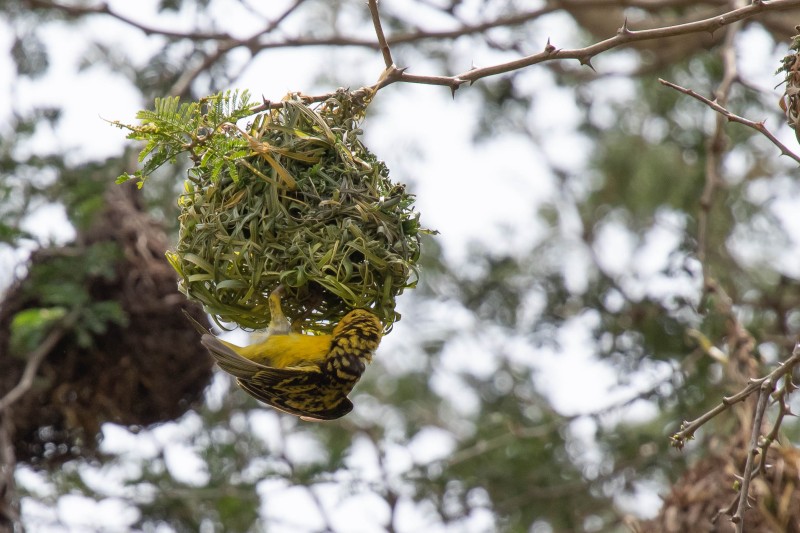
62 278
61 283
10 234
95 319
173 128
82 190
29 328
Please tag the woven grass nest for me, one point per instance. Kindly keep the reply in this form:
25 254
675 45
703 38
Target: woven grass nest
292 198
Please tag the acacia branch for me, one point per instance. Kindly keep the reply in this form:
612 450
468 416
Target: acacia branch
625 36
764 444
767 387
382 44
688 429
256 42
758 126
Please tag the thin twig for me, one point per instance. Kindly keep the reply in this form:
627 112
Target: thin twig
767 387
758 126
688 429
225 45
382 44
35 359
759 446
9 504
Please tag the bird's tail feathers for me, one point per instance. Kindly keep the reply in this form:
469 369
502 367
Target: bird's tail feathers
228 360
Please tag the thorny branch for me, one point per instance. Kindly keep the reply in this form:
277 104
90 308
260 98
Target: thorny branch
758 126
763 396
765 386
739 366
264 38
779 397
624 36
584 55
688 429
758 445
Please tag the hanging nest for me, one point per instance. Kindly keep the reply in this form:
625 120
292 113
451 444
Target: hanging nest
695 501
292 198
144 365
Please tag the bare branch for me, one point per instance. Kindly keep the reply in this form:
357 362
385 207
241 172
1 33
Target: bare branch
716 144
79 10
626 36
584 55
688 429
9 504
255 43
758 126
740 502
35 359
226 45
767 387
382 44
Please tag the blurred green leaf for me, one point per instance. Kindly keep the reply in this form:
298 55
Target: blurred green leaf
29 327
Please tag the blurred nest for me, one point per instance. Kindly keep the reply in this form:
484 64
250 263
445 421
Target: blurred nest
150 369
790 101
294 199
695 501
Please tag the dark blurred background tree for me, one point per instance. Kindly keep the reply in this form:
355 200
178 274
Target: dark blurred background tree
663 249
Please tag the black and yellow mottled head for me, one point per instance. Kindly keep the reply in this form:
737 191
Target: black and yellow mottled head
353 342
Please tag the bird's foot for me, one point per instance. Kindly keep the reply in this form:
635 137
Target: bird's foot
278 324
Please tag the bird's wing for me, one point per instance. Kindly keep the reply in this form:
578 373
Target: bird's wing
307 391
301 391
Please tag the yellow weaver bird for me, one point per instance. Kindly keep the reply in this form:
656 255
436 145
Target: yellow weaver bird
308 376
